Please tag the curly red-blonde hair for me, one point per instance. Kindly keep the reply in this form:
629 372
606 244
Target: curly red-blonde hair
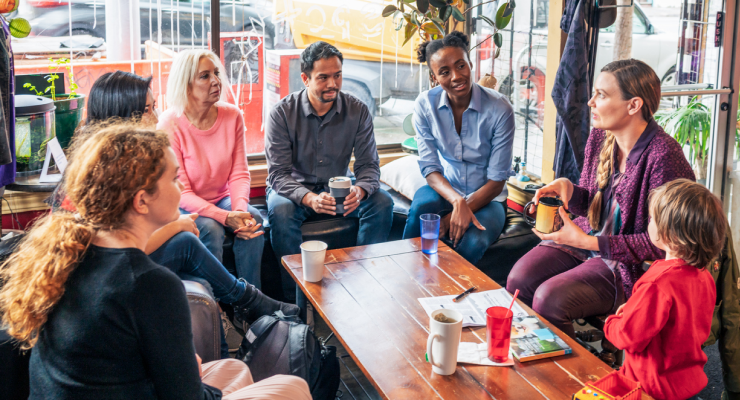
108 166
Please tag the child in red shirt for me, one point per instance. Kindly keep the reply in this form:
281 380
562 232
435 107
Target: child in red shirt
664 323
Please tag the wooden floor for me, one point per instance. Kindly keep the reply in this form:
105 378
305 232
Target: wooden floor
354 385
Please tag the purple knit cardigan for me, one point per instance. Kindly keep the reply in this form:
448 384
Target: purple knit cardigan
660 161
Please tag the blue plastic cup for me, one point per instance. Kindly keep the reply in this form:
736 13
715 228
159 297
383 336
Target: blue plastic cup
429 233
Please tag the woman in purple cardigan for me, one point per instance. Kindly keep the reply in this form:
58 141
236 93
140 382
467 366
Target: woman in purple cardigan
589 266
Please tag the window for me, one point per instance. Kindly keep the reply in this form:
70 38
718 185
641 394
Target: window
520 71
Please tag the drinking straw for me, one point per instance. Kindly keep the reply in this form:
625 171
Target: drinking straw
514 299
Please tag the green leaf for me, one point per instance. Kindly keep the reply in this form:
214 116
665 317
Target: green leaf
431 28
389 10
410 31
502 20
498 51
439 24
457 14
423 6
445 13
47 89
438 3
414 20
507 10
27 85
498 39
488 21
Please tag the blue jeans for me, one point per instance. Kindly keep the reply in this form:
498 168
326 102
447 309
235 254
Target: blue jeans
375 214
247 253
475 242
188 258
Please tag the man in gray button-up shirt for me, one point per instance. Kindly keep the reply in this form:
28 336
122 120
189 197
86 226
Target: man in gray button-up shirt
310 136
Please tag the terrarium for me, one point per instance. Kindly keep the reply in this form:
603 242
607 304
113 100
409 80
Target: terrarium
34 127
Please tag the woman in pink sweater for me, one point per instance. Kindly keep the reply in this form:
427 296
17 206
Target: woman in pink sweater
207 135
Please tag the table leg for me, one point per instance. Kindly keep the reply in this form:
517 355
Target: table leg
302 302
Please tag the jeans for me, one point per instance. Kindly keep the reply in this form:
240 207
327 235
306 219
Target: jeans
247 253
474 242
375 214
561 288
188 258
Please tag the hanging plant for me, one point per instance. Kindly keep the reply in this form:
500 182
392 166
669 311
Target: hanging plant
433 19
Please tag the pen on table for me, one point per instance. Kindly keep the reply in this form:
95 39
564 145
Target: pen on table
463 294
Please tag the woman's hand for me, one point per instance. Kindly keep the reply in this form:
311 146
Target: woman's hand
570 234
186 223
200 365
561 187
460 220
237 219
250 230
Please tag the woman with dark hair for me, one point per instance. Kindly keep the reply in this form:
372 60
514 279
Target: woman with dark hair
176 244
123 95
590 265
472 128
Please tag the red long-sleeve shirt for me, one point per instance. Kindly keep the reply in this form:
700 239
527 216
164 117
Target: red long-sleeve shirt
662 328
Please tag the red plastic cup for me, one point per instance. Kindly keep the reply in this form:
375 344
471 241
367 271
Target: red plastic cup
498 333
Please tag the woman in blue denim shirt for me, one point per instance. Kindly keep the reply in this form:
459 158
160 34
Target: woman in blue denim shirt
465 134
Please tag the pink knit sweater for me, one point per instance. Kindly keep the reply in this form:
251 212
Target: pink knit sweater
213 163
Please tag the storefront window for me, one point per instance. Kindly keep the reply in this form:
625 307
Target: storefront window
519 71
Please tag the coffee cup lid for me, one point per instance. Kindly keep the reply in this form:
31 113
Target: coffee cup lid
340 182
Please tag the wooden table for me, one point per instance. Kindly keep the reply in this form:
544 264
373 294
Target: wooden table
368 297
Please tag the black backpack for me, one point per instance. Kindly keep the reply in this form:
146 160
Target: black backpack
278 344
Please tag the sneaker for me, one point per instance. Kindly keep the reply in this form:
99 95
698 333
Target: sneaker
233 337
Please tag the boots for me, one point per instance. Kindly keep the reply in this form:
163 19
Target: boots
255 304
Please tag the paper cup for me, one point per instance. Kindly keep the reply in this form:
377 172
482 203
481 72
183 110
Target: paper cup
312 256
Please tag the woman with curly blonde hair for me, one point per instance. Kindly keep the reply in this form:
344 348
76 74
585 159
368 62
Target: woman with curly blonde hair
104 321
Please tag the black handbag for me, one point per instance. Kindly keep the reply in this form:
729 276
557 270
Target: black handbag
283 345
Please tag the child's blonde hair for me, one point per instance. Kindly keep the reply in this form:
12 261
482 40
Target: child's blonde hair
690 221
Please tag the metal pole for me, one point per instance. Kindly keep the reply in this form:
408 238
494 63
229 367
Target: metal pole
216 27
123 42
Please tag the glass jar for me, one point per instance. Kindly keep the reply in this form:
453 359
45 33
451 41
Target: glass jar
34 127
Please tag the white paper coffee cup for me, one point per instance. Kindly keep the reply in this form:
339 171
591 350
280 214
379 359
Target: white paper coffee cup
313 253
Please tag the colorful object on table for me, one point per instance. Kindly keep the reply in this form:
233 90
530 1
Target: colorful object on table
611 387
20 28
532 340
7 6
521 176
498 333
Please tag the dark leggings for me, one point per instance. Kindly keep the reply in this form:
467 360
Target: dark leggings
562 288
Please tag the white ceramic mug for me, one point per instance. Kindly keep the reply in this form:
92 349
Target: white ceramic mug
313 253
444 339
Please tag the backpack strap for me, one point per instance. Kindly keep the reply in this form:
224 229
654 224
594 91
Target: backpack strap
256 334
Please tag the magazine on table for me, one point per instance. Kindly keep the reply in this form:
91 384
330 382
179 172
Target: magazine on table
532 340
473 306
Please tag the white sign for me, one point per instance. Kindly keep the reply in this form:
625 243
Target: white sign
53 149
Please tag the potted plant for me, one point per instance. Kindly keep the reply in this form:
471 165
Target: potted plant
69 106
433 19
691 126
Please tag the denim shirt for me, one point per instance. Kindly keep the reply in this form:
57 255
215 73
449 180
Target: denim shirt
483 149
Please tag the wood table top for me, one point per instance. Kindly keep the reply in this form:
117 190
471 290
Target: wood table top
368 297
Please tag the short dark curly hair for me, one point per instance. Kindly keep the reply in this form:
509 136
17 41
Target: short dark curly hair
317 51
453 39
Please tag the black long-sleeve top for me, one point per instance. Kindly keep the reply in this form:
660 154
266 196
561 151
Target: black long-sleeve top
120 331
